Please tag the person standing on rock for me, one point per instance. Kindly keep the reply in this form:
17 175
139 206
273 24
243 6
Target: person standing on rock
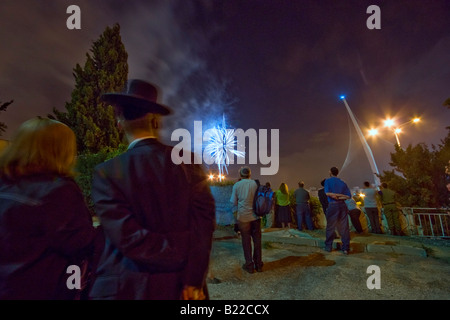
249 223
391 212
303 208
337 192
371 207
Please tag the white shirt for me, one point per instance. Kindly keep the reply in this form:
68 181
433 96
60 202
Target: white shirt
242 196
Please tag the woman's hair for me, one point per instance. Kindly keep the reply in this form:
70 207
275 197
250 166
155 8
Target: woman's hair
40 145
284 188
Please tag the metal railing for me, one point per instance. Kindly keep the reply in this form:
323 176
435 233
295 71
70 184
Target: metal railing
428 222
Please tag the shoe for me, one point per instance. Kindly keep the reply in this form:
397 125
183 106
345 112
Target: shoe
258 269
248 269
345 252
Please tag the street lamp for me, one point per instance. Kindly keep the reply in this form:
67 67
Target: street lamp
390 123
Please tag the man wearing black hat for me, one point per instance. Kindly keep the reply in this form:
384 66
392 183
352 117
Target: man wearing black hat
158 217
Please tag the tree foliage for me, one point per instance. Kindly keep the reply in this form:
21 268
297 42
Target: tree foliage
3 107
447 103
85 168
419 174
105 70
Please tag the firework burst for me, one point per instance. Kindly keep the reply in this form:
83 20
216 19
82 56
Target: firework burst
221 146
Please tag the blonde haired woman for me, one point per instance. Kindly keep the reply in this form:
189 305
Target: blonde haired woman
45 225
283 205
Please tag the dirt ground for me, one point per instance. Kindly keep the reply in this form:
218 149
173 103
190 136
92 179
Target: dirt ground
299 272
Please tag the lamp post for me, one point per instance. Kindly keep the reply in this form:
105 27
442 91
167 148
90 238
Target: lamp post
390 123
366 147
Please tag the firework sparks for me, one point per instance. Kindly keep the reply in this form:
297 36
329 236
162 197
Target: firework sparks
221 147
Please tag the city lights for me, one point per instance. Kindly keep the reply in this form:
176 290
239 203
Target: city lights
219 177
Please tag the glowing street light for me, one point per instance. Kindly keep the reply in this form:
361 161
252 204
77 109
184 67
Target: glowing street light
396 129
373 132
390 123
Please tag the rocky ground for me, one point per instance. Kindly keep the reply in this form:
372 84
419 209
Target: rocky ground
295 271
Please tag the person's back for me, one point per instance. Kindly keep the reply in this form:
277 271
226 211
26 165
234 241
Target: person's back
245 190
32 210
355 213
45 225
391 212
249 224
337 192
335 185
370 197
388 196
160 190
282 198
301 195
323 197
302 207
158 216
371 207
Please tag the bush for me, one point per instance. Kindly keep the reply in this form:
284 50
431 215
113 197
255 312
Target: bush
85 168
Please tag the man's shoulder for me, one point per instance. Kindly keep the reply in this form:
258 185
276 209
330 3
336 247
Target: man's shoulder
245 183
110 163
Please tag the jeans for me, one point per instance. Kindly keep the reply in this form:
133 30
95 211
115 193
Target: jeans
374 219
354 217
251 230
337 218
304 215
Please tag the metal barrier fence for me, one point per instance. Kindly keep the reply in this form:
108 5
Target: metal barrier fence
428 222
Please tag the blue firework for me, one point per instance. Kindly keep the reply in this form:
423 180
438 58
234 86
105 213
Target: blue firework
221 146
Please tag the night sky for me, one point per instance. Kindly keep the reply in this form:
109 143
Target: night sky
267 64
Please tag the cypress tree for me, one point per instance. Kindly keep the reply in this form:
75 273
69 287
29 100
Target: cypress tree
105 70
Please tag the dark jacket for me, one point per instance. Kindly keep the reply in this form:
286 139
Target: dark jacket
45 226
323 199
158 220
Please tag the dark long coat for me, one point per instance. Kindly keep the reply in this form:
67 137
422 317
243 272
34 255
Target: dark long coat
158 219
45 226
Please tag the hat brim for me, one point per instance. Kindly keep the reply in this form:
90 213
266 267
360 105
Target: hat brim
127 101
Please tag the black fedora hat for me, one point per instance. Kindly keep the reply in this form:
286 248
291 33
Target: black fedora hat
138 98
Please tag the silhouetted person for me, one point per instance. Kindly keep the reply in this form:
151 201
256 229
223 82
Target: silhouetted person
371 207
158 216
337 192
45 225
242 196
391 211
303 208
283 206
